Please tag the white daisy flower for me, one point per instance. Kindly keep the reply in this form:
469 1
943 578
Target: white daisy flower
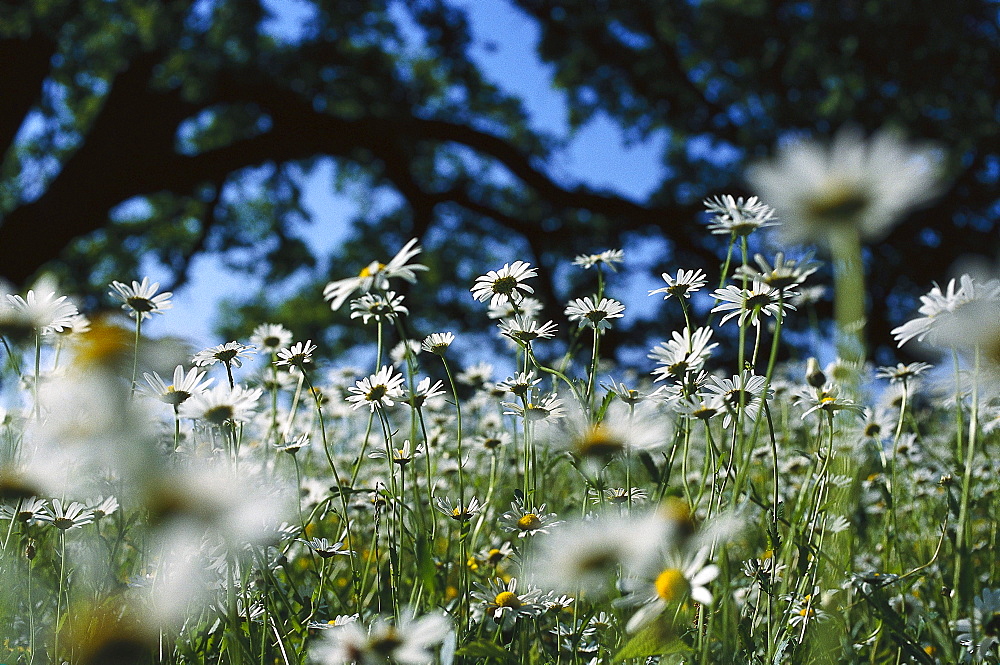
745 390
545 408
271 337
437 343
376 275
685 352
784 274
980 633
869 184
525 330
683 284
609 258
527 520
140 299
527 307
749 303
682 576
183 387
504 285
230 353
72 516
938 308
378 307
377 391
43 310
520 383
28 511
504 604
422 392
737 216
596 315
222 404
299 355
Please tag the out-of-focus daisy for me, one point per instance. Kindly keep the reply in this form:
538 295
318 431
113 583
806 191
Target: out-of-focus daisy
28 511
525 520
72 516
683 284
408 643
183 387
438 343
622 429
596 315
980 633
867 184
504 285
750 303
458 512
609 258
298 355
222 404
784 274
104 506
230 353
679 578
902 373
378 307
378 391
271 337
293 445
476 375
504 604
738 217
527 307
43 310
804 611
492 439
140 299
745 390
376 275
409 348
938 308
620 496
630 396
684 352
545 408
423 391
525 330
494 556
829 402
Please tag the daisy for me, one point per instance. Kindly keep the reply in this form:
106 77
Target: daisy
591 313
299 355
630 396
183 387
527 521
378 307
477 375
738 217
376 275
293 445
141 299
42 310
504 285
683 284
869 184
336 622
29 511
504 604
685 352
400 456
548 407
902 373
230 353
72 516
527 307
494 556
324 549
423 392
828 401
438 343
458 512
803 611
682 577
749 303
609 258
620 430
937 307
520 383
104 506
525 330
378 390
271 337
784 274
222 405
493 439
744 391
408 643
980 633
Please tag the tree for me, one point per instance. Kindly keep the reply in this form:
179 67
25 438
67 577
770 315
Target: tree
168 129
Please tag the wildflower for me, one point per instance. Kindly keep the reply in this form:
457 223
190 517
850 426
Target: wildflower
458 512
141 299
293 445
72 516
494 556
423 392
222 405
979 633
620 496
29 511
620 430
828 401
409 348
184 386
804 611
336 622
378 307
378 390
682 577
684 352
738 217
525 330
520 383
527 521
299 355
939 307
750 303
546 408
376 275
853 182
597 315
42 310
527 307
437 343
784 274
477 375
104 506
740 392
408 643
609 258
324 549
400 456
504 604
506 284
492 439
630 396
270 337
230 353
902 373
683 284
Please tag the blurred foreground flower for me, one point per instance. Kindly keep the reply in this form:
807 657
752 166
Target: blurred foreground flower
376 275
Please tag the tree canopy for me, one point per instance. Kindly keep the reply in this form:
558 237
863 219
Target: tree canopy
151 128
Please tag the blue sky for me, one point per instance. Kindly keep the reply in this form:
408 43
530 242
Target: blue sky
504 46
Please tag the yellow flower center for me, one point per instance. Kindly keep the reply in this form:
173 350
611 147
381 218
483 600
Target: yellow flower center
599 442
671 585
507 599
839 203
529 522
494 556
371 269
